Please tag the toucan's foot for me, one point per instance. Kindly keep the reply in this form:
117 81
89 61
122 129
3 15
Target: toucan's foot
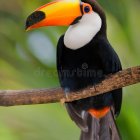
66 91
62 101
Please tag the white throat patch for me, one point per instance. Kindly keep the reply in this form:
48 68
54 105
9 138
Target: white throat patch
81 33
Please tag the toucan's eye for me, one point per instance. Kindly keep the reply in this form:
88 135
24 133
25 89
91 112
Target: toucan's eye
86 9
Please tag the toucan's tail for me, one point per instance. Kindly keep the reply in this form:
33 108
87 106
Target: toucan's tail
101 129
92 128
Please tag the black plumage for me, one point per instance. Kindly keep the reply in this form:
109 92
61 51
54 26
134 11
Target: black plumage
100 59
87 66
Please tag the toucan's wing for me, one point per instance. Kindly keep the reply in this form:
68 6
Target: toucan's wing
59 59
111 64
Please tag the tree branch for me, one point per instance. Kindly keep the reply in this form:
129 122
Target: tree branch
41 96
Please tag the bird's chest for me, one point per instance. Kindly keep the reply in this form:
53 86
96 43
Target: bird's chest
86 58
80 68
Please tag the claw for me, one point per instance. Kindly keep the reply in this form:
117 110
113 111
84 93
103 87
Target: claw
62 101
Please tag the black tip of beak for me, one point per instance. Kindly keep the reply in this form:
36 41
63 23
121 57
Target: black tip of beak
34 18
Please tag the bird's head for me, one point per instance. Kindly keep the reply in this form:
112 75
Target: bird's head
59 13
85 18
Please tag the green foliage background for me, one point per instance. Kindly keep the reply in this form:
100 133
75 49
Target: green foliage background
22 67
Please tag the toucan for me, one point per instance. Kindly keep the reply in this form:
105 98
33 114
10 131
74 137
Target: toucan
84 58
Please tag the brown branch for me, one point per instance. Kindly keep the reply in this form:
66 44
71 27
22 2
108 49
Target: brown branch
41 96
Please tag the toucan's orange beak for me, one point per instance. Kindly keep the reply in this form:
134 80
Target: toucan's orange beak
57 13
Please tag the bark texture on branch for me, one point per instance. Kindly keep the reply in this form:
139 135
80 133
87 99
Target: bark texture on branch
41 96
